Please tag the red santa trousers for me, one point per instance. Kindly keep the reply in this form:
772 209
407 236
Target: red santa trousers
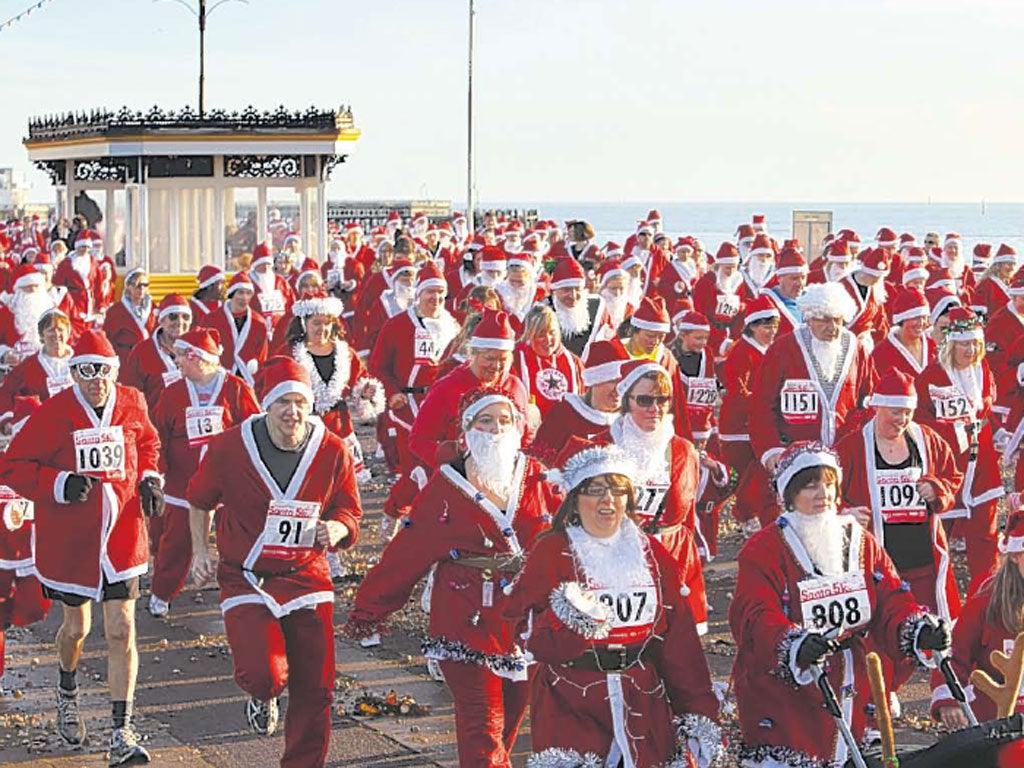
23 605
296 651
981 535
488 711
173 554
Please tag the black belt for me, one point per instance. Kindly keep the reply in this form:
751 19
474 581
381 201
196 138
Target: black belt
502 564
413 390
608 658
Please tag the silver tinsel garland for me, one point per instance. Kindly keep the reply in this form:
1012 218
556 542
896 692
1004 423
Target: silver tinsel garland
454 650
708 735
782 669
563 758
791 758
573 618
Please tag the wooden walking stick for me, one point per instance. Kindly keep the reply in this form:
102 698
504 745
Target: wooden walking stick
883 717
1012 669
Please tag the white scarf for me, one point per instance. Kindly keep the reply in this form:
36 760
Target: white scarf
648 450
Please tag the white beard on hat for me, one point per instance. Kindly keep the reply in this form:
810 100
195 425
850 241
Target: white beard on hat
573 320
517 299
827 355
955 266
494 459
618 561
822 537
728 284
616 304
760 271
264 281
27 308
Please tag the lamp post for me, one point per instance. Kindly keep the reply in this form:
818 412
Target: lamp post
470 206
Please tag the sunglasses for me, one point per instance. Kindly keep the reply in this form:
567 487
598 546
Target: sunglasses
90 371
142 285
598 491
646 401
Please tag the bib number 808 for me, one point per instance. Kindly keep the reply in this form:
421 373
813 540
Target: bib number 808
836 613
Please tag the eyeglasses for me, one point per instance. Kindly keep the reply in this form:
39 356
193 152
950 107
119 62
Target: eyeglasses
142 285
646 401
90 371
598 491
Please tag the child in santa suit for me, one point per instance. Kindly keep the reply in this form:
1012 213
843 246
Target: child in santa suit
810 589
21 597
471 524
620 673
284 491
547 369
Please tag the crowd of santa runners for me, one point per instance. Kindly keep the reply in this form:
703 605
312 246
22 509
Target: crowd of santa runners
561 422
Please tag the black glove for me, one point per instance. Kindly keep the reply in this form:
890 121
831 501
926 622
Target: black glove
77 487
814 650
151 497
935 635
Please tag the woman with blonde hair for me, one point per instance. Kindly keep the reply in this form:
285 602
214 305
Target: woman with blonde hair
45 373
541 361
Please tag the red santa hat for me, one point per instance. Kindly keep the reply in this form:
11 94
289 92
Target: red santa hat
26 275
791 262
761 308
633 370
642 227
684 243
689 320
632 261
292 237
964 325
745 233
318 304
909 303
397 267
568 274
1017 284
804 455
309 267
838 252
492 258
941 277
240 281
494 331
885 238
208 275
941 301
94 347
917 273
793 243
849 236
875 262
603 364
477 399
458 216
914 255
894 390
83 239
580 460
261 255
430 276
523 260
727 254
29 254
43 262
761 244
204 343
952 237
282 376
612 250
652 315
393 217
353 227
174 304
609 269
982 254
1005 255
826 300
1012 539
419 216
759 222
653 217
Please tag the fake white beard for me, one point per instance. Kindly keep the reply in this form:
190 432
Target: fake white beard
513 247
634 291
517 299
81 264
641 254
404 294
687 269
265 281
490 279
617 304
648 450
827 355
494 458
836 271
822 537
759 271
619 561
27 308
728 284
574 320
461 230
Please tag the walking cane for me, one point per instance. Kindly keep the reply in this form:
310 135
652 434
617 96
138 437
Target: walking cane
832 705
955 688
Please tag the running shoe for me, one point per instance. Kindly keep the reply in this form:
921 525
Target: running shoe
69 719
262 716
125 749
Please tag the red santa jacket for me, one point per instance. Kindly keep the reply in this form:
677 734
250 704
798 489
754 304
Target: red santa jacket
186 422
408 352
107 286
675 282
975 638
81 543
991 295
870 317
39 376
864 486
943 407
547 380
1004 328
737 376
793 404
891 355
17 526
438 419
699 395
570 417
374 319
273 305
267 555
451 523
83 293
11 338
574 709
723 310
125 329
780 711
243 349
201 309
150 370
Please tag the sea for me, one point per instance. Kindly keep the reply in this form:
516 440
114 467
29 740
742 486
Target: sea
714 222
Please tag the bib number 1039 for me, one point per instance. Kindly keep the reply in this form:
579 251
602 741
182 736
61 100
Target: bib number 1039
99 452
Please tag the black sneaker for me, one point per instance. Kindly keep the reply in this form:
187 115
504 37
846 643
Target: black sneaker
125 749
69 720
262 716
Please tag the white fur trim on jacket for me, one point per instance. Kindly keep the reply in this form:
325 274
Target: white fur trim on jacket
584 616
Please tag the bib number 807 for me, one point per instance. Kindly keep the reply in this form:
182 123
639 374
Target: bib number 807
836 613
627 610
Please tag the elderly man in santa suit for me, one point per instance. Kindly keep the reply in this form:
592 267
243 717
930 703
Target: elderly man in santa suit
866 286
151 366
815 587
519 290
1004 327
579 313
209 292
130 321
80 276
273 294
395 300
284 492
814 381
759 266
89 461
954 259
837 263
717 296
20 315
243 331
203 403
490 361
785 287
993 291
906 347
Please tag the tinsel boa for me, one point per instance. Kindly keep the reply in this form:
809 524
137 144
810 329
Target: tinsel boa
590 621
773 756
701 737
909 630
441 648
785 651
365 408
554 757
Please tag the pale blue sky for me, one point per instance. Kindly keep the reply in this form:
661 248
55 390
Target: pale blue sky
578 99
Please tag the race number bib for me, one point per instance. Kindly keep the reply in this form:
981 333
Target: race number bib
701 394
16 510
551 383
632 610
950 403
650 498
55 384
424 348
333 277
800 401
99 452
728 305
202 423
170 377
272 302
830 603
901 503
290 528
